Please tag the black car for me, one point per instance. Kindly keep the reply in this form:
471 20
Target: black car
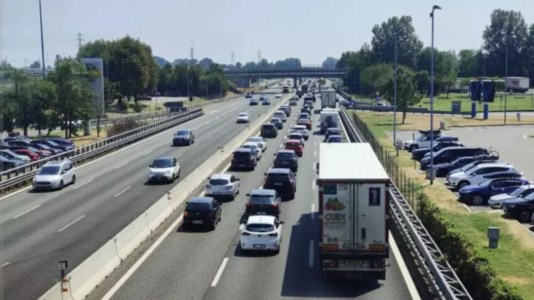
286 159
450 154
282 181
418 154
244 158
263 202
277 123
204 211
183 137
520 208
443 169
268 131
331 131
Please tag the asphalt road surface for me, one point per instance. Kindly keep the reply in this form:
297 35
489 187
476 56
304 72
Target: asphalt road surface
202 264
40 229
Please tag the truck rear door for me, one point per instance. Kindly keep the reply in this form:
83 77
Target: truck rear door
370 231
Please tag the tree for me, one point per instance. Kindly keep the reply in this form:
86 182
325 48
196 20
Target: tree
355 62
506 33
35 65
288 63
21 105
422 82
166 80
400 31
43 95
406 88
530 53
205 63
467 63
373 78
330 63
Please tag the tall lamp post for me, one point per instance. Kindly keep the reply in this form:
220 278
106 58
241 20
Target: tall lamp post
506 72
432 99
395 93
42 55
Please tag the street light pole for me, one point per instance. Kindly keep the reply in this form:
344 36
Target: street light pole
505 74
432 99
42 57
395 93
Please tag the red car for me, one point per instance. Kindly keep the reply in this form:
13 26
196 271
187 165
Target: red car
296 146
32 155
305 122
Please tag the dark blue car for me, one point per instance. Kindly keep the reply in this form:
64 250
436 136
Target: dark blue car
480 194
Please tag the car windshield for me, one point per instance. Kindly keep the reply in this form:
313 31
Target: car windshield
261 199
49 170
518 191
218 182
162 163
242 114
295 136
198 206
182 133
260 227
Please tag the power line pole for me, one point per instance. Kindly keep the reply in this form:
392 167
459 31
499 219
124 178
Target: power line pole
80 40
233 58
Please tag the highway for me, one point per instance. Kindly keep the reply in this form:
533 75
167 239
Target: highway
202 264
40 229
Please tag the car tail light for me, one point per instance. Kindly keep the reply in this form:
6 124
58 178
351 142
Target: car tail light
247 204
275 205
186 213
245 233
273 234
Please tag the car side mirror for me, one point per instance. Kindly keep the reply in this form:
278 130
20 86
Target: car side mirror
248 195
282 222
150 166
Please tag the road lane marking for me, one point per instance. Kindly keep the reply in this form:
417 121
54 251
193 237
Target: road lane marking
403 269
310 261
121 165
119 193
82 184
312 215
314 153
313 166
71 223
25 212
4 264
315 143
313 184
219 272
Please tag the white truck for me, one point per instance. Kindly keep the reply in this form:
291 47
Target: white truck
329 118
353 201
517 84
328 98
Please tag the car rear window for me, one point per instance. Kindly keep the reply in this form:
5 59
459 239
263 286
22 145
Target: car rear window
261 199
198 206
295 136
182 133
260 227
292 144
285 155
268 126
218 182
242 154
277 177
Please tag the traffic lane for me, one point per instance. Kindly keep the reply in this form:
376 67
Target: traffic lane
104 216
197 253
22 201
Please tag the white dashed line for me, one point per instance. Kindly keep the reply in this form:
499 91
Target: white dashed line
313 184
119 193
4 264
80 185
71 223
25 212
121 165
314 153
310 261
313 166
219 272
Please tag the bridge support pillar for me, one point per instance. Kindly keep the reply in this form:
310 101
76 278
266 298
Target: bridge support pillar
295 82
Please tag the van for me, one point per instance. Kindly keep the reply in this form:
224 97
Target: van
244 158
451 153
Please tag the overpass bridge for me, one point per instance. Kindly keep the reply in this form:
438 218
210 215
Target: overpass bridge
295 73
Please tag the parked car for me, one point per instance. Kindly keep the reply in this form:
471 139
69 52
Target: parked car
244 158
302 130
183 137
478 160
474 175
33 156
42 146
261 233
268 131
452 153
61 141
12 155
260 141
277 122
7 163
52 144
63 144
263 202
243 118
203 211
255 149
422 141
479 194
296 146
164 168
418 154
443 169
286 159
497 201
305 122
54 175
223 185
520 208
283 181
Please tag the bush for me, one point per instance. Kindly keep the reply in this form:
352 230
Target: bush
120 126
138 107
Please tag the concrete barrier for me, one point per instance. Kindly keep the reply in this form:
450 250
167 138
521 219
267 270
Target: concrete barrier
92 271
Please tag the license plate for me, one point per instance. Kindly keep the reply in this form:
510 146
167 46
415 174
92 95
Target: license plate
261 213
258 246
277 183
354 263
197 222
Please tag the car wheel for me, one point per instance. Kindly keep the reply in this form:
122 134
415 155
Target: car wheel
178 176
524 217
462 184
173 177
60 185
213 225
73 179
477 200
413 147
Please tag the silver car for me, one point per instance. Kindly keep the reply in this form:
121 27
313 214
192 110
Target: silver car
54 175
223 185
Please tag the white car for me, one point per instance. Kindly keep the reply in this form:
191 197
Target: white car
302 130
255 149
497 201
262 233
243 118
54 175
475 175
260 141
223 185
278 96
164 168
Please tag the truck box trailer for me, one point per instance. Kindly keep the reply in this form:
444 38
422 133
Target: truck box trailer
329 118
328 98
353 203
517 84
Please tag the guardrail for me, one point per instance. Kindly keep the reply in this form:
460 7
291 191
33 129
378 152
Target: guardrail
437 273
22 174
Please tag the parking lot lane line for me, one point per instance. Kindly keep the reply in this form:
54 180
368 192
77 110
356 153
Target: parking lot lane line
25 212
119 193
219 272
4 264
403 269
71 223
310 261
82 184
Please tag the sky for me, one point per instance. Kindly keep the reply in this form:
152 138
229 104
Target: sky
310 30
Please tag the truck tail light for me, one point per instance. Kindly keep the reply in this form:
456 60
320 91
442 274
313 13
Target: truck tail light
379 263
329 263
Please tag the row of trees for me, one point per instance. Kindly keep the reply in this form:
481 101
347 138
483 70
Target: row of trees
173 80
44 104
